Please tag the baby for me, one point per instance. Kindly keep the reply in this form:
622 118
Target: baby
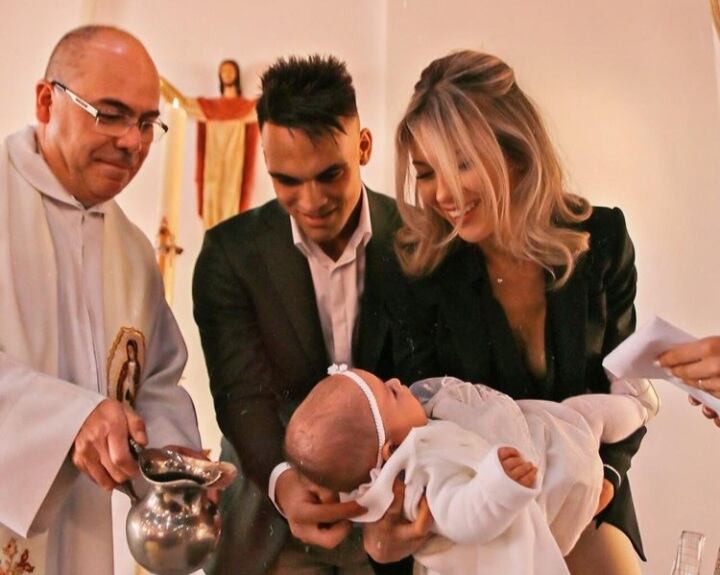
510 485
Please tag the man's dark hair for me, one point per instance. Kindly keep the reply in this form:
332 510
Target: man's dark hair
311 94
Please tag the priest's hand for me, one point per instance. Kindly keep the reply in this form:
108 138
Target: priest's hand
314 513
393 537
101 446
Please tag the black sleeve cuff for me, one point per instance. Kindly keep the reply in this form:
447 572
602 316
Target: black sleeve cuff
612 475
619 455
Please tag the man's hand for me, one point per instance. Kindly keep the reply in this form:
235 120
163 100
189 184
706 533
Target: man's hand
393 537
606 495
314 514
101 446
516 468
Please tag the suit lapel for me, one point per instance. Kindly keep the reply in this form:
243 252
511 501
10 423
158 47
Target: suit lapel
290 275
464 287
373 323
481 335
483 340
567 307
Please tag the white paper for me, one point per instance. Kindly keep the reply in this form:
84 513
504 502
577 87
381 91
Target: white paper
635 357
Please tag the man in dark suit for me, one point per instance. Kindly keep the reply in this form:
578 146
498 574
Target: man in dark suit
280 293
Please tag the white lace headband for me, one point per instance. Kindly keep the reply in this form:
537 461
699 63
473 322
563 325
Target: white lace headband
342 369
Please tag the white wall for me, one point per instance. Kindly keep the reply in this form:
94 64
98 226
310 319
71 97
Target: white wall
628 89
29 32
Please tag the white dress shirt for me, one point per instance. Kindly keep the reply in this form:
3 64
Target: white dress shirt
338 287
338 284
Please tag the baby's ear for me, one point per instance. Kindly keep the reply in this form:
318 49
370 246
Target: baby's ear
388 449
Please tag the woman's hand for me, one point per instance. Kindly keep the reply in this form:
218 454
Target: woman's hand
606 496
393 537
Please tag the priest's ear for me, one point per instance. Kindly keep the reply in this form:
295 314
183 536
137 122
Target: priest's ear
365 146
43 101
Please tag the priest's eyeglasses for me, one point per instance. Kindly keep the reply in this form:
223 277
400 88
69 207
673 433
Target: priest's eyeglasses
117 125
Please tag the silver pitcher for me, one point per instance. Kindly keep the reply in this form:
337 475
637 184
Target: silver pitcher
174 528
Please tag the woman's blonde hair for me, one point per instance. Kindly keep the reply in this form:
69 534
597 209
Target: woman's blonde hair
467 108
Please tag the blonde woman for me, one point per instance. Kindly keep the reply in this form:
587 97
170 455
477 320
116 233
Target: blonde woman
522 285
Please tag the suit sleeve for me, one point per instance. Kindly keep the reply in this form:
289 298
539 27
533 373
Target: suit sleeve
621 286
620 290
238 364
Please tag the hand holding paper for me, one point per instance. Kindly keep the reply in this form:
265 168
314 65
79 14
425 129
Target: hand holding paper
696 362
637 357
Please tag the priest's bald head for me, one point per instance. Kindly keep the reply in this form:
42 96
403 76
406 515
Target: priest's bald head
97 111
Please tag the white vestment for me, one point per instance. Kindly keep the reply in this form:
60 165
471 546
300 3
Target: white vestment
70 280
490 523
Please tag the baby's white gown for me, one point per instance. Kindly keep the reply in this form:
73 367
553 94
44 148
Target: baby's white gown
485 521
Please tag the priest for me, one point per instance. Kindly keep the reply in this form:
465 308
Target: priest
90 354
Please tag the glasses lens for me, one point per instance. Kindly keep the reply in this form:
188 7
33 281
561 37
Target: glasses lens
149 131
111 128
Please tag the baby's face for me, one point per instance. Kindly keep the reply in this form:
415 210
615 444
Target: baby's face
400 410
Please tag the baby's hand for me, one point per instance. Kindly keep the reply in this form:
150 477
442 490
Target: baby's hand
516 467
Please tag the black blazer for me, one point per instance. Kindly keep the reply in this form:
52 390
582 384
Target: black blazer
450 323
254 303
